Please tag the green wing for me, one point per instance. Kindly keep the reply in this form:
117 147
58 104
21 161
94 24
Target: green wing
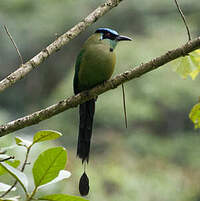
77 67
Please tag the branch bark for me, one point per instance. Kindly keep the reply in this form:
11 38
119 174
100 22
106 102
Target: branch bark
57 44
74 101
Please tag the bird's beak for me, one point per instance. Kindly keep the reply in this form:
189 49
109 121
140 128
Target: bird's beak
120 38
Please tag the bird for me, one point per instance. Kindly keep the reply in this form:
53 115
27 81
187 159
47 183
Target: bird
95 64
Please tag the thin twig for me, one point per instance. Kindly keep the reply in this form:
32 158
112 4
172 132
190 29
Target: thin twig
26 159
6 159
74 101
13 42
184 20
4 194
124 106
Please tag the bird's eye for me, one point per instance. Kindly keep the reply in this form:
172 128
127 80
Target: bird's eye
109 36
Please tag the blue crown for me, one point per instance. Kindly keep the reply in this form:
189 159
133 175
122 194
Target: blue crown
103 30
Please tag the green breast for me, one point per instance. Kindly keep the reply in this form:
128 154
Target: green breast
96 65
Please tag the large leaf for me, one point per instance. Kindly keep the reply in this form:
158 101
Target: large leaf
48 165
13 163
63 174
195 115
19 176
62 197
5 187
46 135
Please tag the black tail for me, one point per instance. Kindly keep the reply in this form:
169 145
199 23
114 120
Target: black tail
86 112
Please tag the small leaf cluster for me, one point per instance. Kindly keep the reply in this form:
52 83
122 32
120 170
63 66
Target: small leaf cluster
188 65
48 168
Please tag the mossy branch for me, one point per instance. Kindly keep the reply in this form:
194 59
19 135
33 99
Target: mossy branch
74 101
24 69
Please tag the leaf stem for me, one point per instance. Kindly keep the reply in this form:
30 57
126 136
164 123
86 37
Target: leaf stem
28 198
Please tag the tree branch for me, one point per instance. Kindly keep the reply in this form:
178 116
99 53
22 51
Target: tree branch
57 44
74 101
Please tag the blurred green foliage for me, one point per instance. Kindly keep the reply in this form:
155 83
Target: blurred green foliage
156 158
195 115
188 65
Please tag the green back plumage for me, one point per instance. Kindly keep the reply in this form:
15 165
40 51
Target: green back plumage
77 67
95 63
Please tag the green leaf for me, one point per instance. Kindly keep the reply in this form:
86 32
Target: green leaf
182 66
46 135
61 197
63 174
194 74
195 57
195 115
5 187
13 163
21 142
48 165
19 176
188 65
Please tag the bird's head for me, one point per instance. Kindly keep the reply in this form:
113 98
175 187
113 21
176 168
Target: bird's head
111 36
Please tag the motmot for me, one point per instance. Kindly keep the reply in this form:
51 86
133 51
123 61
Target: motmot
94 65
